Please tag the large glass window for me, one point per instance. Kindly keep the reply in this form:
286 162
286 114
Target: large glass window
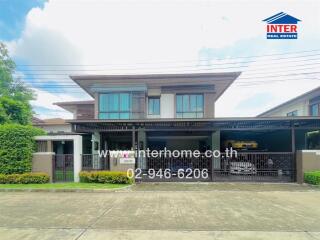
115 106
189 106
154 106
314 109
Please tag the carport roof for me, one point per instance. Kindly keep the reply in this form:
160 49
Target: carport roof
204 124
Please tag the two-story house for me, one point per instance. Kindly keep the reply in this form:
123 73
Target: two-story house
147 98
176 112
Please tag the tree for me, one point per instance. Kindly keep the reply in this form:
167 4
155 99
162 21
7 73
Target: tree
15 111
14 95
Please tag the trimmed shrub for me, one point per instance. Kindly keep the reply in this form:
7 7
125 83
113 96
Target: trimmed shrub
16 147
104 177
312 177
25 178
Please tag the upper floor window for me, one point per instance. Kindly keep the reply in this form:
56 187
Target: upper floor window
292 114
154 106
189 106
314 109
115 106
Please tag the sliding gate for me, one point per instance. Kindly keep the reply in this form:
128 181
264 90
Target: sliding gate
243 167
182 169
255 167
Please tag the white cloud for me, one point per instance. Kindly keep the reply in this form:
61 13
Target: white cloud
130 32
254 92
44 107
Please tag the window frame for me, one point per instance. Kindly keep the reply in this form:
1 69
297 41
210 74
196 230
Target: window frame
119 111
318 109
153 98
198 114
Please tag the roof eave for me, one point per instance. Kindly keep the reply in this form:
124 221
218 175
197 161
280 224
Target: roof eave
79 78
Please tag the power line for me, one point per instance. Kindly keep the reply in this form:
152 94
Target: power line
253 83
248 83
212 59
240 83
175 67
251 76
211 68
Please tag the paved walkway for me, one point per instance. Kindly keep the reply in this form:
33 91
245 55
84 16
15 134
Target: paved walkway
171 211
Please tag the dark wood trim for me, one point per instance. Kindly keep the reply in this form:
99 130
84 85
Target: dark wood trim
232 119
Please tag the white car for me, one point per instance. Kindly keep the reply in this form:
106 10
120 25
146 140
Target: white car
242 168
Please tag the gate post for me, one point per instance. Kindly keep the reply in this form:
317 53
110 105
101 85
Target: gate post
142 145
54 167
215 145
77 152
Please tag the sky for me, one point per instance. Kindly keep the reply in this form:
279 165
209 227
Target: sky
49 40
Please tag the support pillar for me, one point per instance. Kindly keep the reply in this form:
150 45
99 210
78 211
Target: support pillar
133 148
215 140
96 147
293 140
77 153
142 145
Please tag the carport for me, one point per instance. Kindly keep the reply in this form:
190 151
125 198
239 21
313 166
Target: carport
266 146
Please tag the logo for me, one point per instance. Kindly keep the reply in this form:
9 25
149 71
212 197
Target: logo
282 26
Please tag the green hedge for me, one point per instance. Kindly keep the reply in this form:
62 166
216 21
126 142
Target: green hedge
312 177
16 147
24 178
104 177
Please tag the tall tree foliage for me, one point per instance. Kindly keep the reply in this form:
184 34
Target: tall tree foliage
14 95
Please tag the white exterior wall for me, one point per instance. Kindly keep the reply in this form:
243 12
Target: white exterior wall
167 105
300 103
302 108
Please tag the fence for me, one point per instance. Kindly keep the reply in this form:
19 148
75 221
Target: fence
91 162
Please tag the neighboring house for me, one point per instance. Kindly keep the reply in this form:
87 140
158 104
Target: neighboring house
307 104
177 112
79 109
52 125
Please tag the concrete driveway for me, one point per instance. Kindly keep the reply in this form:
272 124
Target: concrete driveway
165 211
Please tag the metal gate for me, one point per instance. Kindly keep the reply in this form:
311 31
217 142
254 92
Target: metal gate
182 169
243 167
255 167
63 168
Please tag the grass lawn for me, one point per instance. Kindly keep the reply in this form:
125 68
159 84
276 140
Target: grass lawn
59 175
71 185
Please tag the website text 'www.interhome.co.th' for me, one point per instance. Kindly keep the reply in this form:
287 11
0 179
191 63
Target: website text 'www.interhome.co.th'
167 153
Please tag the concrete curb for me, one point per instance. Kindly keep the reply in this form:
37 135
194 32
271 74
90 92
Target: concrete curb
77 190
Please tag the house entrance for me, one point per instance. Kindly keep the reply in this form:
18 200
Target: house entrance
63 161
